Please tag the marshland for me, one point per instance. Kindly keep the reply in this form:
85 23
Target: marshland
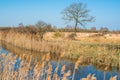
59 55
59 40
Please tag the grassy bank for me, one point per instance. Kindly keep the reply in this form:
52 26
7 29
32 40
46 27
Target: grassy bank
60 44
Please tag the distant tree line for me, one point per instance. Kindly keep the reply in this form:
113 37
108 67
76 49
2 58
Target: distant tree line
42 27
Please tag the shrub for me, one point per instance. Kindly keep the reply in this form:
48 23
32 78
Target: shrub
71 36
57 34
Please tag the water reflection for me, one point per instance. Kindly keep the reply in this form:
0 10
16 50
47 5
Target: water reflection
81 72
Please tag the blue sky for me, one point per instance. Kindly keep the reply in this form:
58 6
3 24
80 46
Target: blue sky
13 12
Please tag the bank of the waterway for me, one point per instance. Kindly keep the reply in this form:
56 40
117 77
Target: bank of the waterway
100 55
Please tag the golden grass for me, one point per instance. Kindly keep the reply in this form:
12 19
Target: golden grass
88 47
109 38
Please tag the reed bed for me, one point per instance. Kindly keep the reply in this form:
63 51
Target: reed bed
27 69
24 67
105 56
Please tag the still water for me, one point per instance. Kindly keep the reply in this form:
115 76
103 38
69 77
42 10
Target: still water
81 72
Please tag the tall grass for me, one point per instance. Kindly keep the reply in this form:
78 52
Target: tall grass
29 69
105 56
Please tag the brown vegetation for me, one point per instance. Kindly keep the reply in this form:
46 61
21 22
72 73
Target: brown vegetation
95 50
30 69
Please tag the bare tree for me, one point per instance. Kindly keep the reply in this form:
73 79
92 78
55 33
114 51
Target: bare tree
41 28
78 13
41 25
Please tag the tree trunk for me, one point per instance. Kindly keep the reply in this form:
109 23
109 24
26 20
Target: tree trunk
76 25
